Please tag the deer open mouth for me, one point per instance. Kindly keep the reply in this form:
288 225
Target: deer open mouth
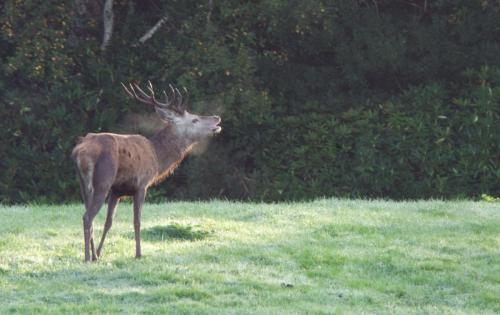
217 129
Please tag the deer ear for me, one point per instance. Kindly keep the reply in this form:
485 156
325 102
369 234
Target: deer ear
165 114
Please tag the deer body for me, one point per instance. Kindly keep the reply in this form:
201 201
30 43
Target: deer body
117 165
130 159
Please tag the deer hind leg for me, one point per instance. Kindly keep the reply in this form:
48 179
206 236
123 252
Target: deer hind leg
88 231
104 173
112 203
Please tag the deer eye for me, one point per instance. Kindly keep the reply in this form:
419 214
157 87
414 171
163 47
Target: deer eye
194 121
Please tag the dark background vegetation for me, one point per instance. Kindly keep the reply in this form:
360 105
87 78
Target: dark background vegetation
396 99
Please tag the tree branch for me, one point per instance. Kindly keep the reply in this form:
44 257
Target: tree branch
108 17
152 30
210 9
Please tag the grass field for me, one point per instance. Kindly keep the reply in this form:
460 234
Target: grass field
321 257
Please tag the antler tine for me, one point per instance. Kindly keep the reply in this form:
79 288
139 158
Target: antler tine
168 98
151 99
179 102
144 94
187 96
127 90
141 99
151 90
174 100
183 98
173 91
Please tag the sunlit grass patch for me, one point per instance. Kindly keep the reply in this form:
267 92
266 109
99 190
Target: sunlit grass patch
321 257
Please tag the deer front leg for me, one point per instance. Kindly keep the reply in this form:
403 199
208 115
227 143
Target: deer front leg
138 201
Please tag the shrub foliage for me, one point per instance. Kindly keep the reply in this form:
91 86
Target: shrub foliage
394 99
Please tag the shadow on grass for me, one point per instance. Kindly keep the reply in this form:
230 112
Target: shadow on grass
174 232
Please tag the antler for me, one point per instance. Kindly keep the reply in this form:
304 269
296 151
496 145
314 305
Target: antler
174 102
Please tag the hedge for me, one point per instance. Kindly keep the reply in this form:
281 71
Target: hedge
392 99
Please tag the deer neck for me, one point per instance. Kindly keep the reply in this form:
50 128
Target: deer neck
171 148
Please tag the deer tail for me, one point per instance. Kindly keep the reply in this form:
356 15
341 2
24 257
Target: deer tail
85 165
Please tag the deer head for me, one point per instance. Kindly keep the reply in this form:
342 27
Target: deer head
173 111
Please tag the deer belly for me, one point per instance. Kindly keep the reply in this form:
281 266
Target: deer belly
127 183
124 189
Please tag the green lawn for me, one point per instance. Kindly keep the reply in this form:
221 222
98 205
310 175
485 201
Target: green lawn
321 257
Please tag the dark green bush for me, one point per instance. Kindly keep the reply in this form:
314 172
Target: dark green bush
357 98
423 143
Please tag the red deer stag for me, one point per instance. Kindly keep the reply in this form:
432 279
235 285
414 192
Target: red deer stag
117 165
